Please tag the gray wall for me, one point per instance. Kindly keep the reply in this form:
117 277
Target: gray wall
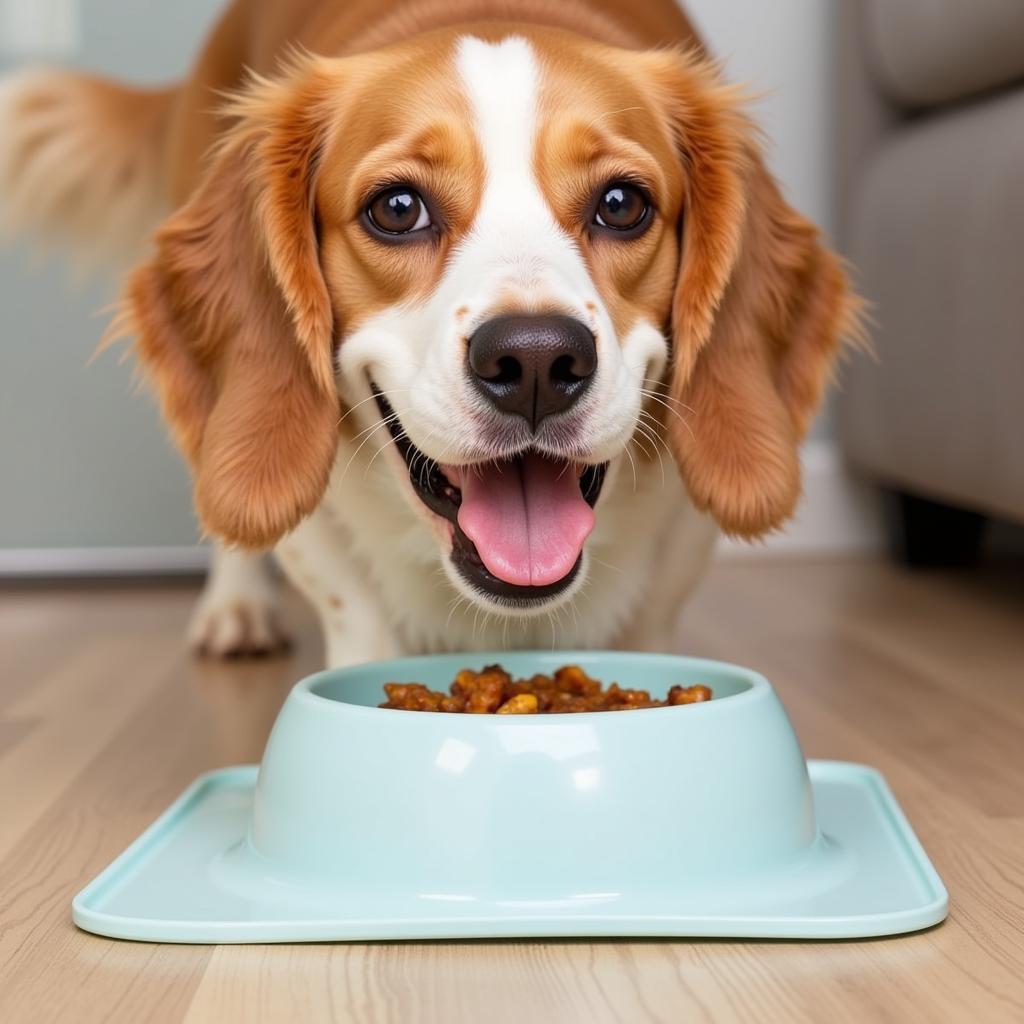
84 461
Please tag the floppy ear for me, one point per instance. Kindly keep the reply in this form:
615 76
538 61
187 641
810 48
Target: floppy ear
758 315
233 320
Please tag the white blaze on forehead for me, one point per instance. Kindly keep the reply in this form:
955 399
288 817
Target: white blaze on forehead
501 80
514 227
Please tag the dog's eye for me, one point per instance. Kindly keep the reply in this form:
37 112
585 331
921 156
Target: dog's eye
398 211
622 207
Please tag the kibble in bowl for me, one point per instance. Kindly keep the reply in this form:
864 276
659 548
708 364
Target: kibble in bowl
493 691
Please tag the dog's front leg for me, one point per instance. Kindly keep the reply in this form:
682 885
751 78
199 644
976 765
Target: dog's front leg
237 613
684 548
316 557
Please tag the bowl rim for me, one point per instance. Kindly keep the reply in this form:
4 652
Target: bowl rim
304 691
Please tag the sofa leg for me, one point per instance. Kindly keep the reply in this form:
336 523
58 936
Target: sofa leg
928 534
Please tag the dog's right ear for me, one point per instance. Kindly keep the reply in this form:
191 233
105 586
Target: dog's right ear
760 311
233 321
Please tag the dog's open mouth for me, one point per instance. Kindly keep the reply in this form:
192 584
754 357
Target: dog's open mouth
518 524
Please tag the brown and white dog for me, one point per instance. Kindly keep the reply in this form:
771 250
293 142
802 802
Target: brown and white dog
445 286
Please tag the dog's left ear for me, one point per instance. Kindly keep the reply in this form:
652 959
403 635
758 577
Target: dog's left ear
233 321
759 312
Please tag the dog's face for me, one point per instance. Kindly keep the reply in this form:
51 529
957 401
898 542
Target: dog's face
515 232
492 249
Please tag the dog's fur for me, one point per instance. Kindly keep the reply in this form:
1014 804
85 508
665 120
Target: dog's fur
265 308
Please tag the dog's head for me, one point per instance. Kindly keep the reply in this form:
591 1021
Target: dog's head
503 252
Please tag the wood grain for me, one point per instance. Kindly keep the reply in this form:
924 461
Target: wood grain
104 719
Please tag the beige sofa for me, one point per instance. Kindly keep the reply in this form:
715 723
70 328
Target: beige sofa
931 177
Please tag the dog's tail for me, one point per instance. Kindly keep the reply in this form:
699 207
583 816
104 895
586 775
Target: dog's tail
82 162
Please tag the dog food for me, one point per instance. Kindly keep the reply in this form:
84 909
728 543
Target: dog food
493 691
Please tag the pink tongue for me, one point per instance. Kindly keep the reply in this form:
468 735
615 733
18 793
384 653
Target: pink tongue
527 518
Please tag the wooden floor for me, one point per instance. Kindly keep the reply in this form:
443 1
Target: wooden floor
103 720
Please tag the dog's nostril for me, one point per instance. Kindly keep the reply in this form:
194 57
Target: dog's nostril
565 370
510 371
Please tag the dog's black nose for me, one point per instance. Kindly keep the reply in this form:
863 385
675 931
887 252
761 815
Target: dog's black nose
532 366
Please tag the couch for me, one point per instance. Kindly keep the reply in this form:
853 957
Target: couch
930 135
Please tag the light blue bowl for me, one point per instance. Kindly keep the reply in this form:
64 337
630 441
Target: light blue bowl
550 807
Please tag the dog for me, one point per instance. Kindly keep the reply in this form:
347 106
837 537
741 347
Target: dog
484 315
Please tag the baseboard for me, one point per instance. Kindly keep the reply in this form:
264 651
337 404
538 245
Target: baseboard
168 560
838 514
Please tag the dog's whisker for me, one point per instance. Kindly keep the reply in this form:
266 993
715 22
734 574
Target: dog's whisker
384 447
646 432
457 604
392 391
659 387
629 455
660 443
575 621
390 418
652 434
551 623
607 565
649 421
638 443
557 627
660 399
681 419
369 434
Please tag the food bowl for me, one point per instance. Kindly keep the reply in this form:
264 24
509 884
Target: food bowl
376 823
545 806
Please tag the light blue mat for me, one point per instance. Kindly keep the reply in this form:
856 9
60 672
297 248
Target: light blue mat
190 877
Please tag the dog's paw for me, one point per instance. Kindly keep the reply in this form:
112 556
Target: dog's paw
237 614
238 628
